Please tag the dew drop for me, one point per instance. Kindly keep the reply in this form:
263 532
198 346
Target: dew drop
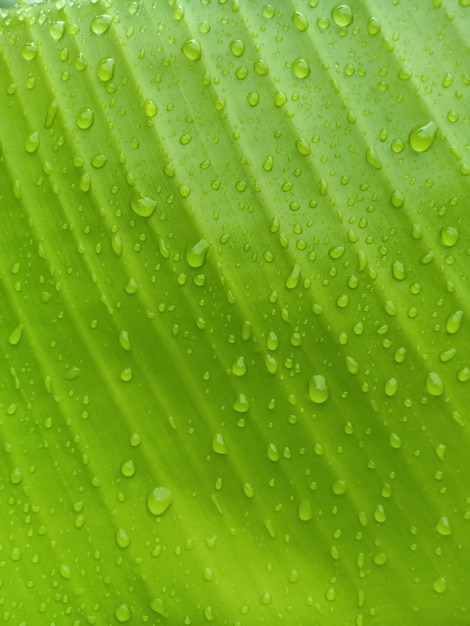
454 322
143 205
196 254
218 444
105 69
301 68
237 47
373 159
192 49
305 510
440 584
294 277
241 404
57 30
303 146
434 384
449 236
443 526
100 24
317 389
159 500
128 469
122 613
124 340
85 118
300 21
150 108
239 366
395 441
379 514
16 335
373 26
32 142
391 387
422 137
342 15
398 270
273 452
157 605
122 538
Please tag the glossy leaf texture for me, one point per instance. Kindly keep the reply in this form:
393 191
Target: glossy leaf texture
234 263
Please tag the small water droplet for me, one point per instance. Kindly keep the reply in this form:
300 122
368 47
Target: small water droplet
373 159
440 584
317 389
454 321
124 340
128 468
300 21
395 441
422 137
237 47
391 387
150 108
122 538
57 29
239 366
373 26
159 500
273 452
379 514
241 404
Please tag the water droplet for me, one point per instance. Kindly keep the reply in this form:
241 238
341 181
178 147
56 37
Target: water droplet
239 366
422 137
395 441
196 254
16 476
105 69
443 526
339 487
192 49
159 500
51 114
218 444
248 490
449 236
352 365
398 270
317 389
272 341
65 571
303 146
379 514
373 26
301 68
454 322
157 605
391 387
373 159
300 21
15 336
128 468
440 584
241 404
122 613
124 340
434 384
122 538
237 47
294 277
273 452
150 108
100 24
143 205
57 29
85 118
32 143
342 15
305 510
126 374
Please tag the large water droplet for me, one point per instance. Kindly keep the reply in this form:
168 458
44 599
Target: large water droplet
422 137
449 236
85 118
454 322
342 15
192 49
159 500
317 389
218 444
301 68
143 205
196 254
443 526
434 384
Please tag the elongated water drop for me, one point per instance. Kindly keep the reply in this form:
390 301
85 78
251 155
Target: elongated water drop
317 389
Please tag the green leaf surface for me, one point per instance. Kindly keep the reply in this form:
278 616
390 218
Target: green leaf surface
234 262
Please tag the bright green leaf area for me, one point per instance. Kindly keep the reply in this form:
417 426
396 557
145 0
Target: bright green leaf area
234 298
